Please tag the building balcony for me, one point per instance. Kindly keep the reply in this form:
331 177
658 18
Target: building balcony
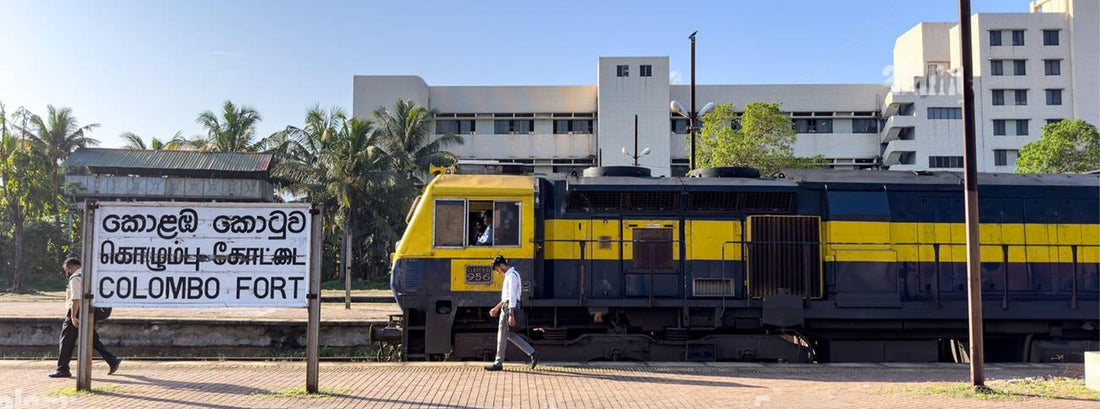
898 102
898 127
899 152
532 145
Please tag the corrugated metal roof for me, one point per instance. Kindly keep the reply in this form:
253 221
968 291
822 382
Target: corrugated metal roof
103 158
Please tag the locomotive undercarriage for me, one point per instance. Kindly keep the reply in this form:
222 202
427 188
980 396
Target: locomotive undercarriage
579 334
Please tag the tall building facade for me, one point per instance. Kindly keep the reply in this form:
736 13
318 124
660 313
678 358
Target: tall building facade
1030 68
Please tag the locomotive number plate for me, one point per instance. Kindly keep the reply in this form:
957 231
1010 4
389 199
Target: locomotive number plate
479 274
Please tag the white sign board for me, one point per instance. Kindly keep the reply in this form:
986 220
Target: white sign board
201 254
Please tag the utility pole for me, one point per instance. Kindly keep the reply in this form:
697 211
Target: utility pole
970 180
692 116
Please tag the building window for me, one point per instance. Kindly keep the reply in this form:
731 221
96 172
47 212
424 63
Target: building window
645 70
455 126
1017 37
944 113
994 38
998 97
1050 37
1021 127
568 126
680 126
1019 67
998 127
1052 67
622 71
510 126
940 162
1005 157
1021 97
997 67
1054 120
1054 97
864 126
808 125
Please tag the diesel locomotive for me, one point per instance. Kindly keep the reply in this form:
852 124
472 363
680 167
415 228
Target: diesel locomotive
807 266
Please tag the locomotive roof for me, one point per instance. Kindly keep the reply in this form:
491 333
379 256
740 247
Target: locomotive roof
610 183
891 177
792 178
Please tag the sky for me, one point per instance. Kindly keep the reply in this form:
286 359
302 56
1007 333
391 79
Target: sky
150 67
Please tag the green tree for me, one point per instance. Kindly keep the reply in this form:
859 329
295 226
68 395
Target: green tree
408 139
342 163
56 137
1065 147
27 191
134 141
233 131
763 141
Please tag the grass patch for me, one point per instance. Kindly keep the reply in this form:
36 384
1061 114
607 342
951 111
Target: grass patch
300 392
1012 389
72 392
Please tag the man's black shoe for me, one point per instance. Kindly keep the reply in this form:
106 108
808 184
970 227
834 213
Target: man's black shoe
114 366
534 359
60 374
494 367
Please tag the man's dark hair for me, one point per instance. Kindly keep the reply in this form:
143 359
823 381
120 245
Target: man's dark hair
498 261
72 262
487 213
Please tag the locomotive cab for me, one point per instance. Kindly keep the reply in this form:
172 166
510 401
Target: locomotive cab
442 265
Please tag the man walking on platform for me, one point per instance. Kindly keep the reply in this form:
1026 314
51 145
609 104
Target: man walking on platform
506 308
69 328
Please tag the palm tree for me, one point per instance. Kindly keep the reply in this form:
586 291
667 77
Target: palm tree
360 179
232 132
406 130
133 141
57 136
298 151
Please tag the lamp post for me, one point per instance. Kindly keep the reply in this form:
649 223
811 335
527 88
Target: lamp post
636 154
691 115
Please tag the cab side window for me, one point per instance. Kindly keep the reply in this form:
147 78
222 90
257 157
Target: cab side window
450 223
505 224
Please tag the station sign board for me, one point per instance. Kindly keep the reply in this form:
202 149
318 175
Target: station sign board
171 254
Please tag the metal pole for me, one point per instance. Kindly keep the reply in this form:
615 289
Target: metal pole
313 327
635 140
691 115
87 316
970 180
346 262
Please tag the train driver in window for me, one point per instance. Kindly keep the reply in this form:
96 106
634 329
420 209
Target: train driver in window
486 238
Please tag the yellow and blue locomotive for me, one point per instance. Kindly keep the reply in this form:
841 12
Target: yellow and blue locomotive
810 266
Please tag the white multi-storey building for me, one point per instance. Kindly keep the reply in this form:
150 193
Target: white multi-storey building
1030 68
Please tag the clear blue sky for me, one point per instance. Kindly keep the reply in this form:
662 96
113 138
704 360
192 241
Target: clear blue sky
151 66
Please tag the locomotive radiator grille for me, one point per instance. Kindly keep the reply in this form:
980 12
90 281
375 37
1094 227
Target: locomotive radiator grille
784 256
713 287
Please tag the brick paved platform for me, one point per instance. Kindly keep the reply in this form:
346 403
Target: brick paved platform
458 385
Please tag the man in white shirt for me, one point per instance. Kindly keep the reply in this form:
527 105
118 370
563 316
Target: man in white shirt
69 328
486 238
506 309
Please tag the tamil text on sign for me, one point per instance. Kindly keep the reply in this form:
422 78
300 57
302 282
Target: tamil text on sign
201 255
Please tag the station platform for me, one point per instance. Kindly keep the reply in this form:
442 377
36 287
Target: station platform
231 384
